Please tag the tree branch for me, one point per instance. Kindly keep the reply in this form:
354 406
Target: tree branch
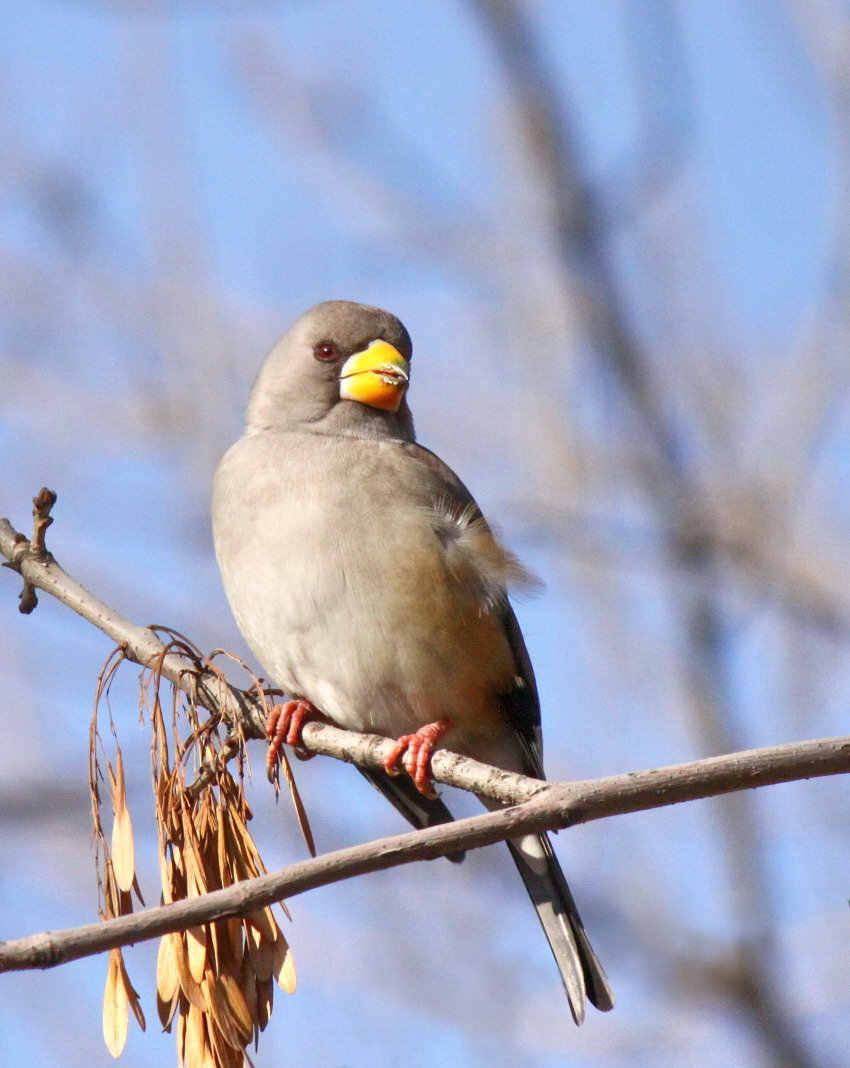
553 806
141 645
738 771
538 806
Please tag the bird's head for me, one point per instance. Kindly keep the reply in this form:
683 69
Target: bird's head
344 366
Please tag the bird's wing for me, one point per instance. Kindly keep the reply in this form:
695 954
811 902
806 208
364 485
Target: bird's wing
522 702
498 568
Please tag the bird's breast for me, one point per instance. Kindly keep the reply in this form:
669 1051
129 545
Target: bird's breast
341 586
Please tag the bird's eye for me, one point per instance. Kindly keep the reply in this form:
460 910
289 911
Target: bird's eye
325 350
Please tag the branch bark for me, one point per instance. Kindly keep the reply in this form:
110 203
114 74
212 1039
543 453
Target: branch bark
550 807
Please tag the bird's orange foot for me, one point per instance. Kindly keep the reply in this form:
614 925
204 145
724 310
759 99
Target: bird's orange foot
284 724
417 749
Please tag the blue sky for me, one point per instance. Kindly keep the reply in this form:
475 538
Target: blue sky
174 188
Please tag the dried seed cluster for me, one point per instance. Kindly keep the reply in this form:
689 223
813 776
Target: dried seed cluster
219 978
214 982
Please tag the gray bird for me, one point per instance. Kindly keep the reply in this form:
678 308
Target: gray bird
369 586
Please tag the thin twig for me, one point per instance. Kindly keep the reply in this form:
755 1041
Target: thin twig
35 549
141 644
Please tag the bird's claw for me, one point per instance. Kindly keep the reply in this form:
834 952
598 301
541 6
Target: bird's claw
284 724
416 750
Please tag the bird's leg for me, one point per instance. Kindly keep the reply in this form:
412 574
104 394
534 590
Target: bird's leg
284 724
417 749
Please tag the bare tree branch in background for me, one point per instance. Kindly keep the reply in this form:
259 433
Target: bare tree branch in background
670 481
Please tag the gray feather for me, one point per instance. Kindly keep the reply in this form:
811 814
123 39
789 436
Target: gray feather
580 969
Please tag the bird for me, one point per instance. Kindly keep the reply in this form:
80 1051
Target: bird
372 590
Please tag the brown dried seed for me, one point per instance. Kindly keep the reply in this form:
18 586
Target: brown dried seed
206 987
261 952
167 975
209 860
240 830
132 994
239 864
196 882
166 1009
137 891
234 930
115 1006
120 780
283 965
113 784
125 903
238 1006
248 986
166 877
264 922
221 849
188 984
110 891
221 1014
226 957
224 1053
177 861
265 995
196 945
196 1039
181 1036
123 850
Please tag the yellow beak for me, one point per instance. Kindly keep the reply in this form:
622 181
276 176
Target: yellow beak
377 376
